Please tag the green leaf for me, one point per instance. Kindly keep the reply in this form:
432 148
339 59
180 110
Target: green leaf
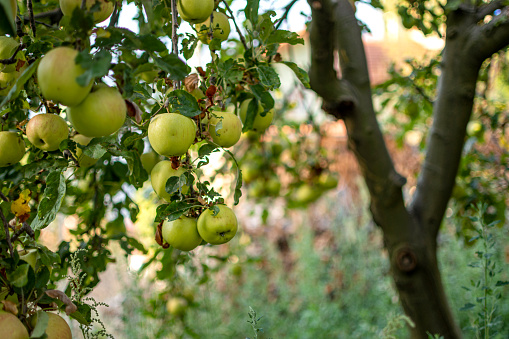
285 37
51 200
95 66
231 71
137 174
172 185
144 90
172 65
7 24
171 211
252 111
41 325
20 82
268 77
467 306
189 45
264 96
251 11
206 149
150 43
83 315
19 277
185 103
301 74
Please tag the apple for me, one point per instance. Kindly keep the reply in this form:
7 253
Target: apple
57 327
217 229
306 193
195 11
171 134
57 73
327 180
250 171
68 6
257 189
176 306
46 131
230 131
260 123
7 80
83 160
12 148
102 112
160 174
220 28
149 160
475 129
236 269
182 233
273 186
7 48
11 326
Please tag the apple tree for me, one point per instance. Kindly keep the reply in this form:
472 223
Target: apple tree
90 110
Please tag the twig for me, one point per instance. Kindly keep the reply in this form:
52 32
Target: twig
7 233
31 15
285 14
174 36
12 59
4 198
19 27
115 15
242 39
24 228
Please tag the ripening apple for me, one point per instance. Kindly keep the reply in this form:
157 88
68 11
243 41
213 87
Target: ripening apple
57 326
182 233
273 186
83 159
327 180
171 134
160 174
68 6
306 193
230 130
7 80
12 148
149 160
46 131
7 48
260 123
217 229
57 73
102 112
11 326
176 306
195 11
219 28
250 171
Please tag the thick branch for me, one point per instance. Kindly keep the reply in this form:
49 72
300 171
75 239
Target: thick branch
491 37
489 8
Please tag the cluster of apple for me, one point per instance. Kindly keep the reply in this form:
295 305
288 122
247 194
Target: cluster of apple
11 326
209 23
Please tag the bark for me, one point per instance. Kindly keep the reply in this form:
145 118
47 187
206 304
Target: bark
409 232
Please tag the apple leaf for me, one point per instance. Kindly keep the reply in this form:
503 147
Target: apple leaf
285 37
301 74
206 149
171 64
83 315
137 174
173 184
51 200
95 66
268 77
150 43
231 71
20 82
252 110
7 25
264 96
19 277
142 90
171 211
41 325
189 45
185 103
251 11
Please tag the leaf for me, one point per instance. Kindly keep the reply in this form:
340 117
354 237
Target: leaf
150 43
189 45
51 200
172 65
83 315
19 277
41 325
171 211
185 103
251 11
467 306
172 185
144 90
301 74
264 96
268 77
95 66
20 82
502 283
7 24
281 36
206 149
252 111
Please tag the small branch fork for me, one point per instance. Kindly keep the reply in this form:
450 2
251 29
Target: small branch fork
12 59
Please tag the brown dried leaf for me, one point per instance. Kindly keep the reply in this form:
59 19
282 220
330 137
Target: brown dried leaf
10 307
56 294
133 111
159 234
191 82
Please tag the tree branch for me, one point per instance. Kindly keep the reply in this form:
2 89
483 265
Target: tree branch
285 14
489 8
491 37
242 38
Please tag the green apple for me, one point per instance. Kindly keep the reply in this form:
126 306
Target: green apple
228 134
195 11
260 123
68 6
57 73
46 131
219 28
11 327
7 80
102 112
306 193
273 186
83 160
182 233
171 134
475 129
57 327
250 171
217 229
160 174
12 148
176 306
149 160
327 180
257 189
7 48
